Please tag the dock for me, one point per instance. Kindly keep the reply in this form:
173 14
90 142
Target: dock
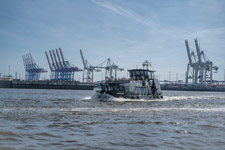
66 85
194 87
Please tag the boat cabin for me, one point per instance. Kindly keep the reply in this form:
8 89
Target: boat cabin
141 74
112 87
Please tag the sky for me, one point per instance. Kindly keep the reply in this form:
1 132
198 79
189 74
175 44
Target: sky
126 31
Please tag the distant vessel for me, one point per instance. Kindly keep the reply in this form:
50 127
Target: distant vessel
141 85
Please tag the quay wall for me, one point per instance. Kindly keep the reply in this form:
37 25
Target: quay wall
193 87
47 85
5 84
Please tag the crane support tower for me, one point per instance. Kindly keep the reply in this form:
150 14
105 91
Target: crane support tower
32 71
200 68
61 69
88 71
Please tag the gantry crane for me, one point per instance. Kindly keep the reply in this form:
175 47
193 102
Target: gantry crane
32 71
88 71
202 67
60 69
110 69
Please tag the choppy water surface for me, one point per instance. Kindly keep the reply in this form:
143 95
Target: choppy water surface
66 119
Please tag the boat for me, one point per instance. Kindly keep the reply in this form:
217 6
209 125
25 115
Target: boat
142 84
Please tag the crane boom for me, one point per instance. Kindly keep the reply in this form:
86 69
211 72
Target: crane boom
85 64
60 63
62 58
52 60
48 61
55 59
188 52
198 51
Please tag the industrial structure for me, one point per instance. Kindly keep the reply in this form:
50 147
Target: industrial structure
32 71
110 69
61 69
200 68
88 71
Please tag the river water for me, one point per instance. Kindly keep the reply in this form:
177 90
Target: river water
70 119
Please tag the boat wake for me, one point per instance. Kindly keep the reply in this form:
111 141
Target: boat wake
109 98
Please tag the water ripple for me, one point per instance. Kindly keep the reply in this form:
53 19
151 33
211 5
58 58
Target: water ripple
59 119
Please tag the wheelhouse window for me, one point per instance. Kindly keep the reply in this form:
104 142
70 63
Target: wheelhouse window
112 87
122 88
151 75
139 74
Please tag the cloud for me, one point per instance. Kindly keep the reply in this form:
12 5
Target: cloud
124 12
208 31
179 37
155 27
